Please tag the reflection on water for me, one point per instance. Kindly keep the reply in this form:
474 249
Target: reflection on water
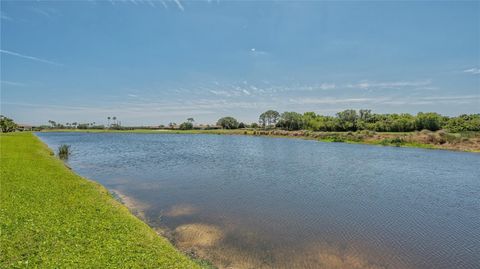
255 202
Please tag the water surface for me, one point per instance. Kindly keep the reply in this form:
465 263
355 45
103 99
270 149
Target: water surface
257 202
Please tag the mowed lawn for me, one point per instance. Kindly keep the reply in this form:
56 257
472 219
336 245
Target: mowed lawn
52 218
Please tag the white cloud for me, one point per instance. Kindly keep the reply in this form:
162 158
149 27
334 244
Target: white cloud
29 57
221 93
13 83
365 84
327 86
332 100
390 100
179 5
474 71
257 52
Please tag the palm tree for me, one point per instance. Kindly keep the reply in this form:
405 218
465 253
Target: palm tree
114 119
108 119
53 123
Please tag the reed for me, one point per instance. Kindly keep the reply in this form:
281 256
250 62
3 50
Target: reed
64 151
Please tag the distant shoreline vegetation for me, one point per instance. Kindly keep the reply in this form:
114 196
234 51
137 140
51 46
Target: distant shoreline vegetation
345 121
423 130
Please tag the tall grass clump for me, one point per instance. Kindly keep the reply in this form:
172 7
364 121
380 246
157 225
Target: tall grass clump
397 142
64 151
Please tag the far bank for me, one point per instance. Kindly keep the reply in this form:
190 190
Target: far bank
468 142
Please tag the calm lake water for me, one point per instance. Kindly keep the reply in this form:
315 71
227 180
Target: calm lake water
257 202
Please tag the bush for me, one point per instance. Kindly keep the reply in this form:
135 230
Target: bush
186 126
397 141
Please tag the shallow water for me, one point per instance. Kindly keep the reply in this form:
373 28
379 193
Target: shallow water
258 202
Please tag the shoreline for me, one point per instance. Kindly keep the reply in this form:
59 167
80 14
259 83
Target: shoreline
53 217
439 140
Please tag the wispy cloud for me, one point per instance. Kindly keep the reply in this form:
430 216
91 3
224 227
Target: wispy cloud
474 71
13 83
257 52
365 84
150 2
136 111
164 4
434 100
327 86
46 12
221 93
132 95
29 57
4 16
179 5
389 100
333 101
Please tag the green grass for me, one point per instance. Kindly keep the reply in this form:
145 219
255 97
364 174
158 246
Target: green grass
52 218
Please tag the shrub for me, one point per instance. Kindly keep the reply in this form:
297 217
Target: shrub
397 141
186 126
7 125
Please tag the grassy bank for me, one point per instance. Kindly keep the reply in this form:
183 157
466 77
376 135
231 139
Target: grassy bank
52 218
469 142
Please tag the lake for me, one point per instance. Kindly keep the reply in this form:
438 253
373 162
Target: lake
259 202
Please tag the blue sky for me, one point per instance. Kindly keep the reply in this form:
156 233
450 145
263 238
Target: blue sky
153 62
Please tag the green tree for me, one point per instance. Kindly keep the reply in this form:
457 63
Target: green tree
7 125
463 123
53 123
228 123
268 118
431 121
348 120
291 121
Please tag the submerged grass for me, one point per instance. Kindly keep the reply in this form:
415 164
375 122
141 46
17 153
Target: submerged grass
52 218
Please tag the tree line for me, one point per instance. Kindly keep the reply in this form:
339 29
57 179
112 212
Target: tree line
344 121
363 119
